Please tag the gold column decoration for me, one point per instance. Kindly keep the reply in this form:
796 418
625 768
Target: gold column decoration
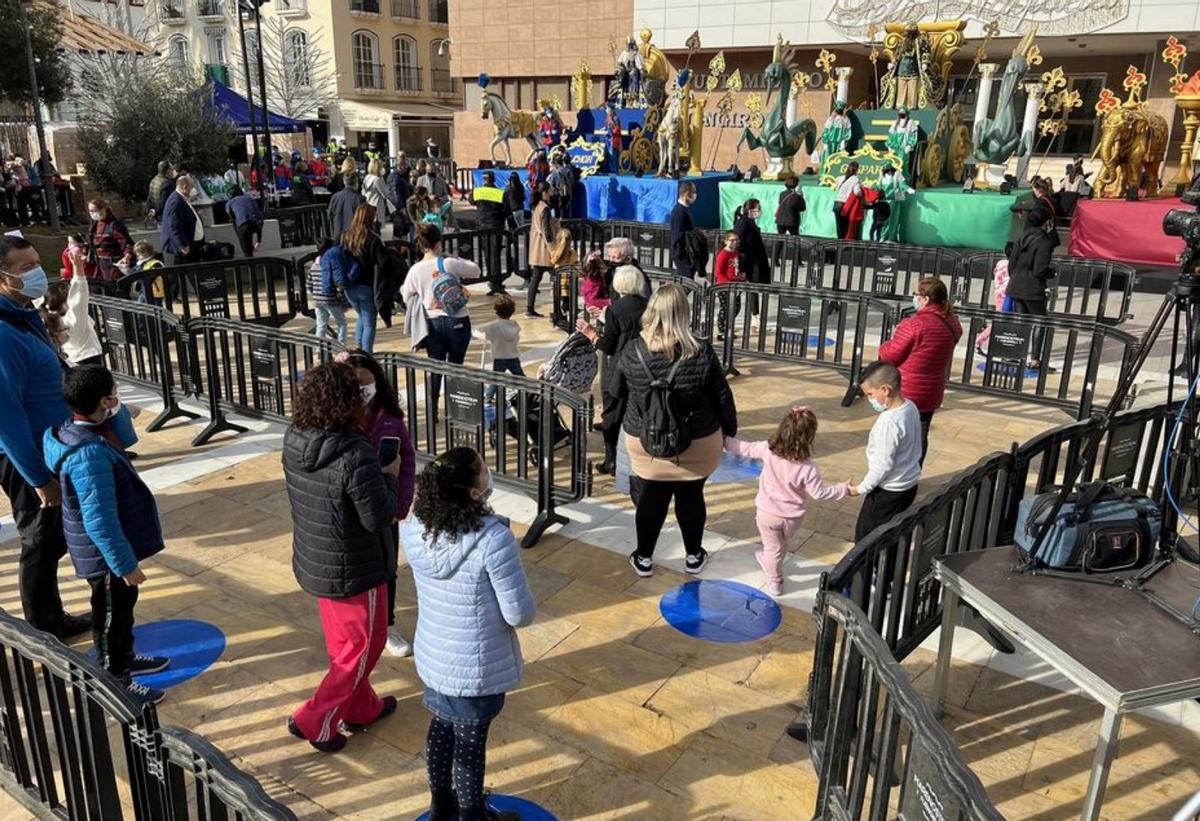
1187 98
581 87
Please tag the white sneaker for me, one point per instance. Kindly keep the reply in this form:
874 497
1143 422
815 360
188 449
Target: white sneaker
397 645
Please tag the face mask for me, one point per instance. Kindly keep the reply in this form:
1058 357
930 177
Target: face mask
109 413
876 405
94 216
487 491
917 302
368 392
33 282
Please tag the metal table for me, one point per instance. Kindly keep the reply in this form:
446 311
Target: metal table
1112 643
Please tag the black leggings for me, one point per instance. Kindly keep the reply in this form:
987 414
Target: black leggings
652 498
455 758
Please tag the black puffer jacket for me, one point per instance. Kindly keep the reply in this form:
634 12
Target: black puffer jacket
342 509
700 386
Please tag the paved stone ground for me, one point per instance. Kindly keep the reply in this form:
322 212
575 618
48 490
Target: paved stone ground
619 715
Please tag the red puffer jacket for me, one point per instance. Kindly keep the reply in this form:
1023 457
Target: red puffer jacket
922 347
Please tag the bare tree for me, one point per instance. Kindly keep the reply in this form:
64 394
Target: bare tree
300 75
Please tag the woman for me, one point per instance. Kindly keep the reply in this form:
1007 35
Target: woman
109 242
385 420
514 199
339 178
543 229
667 350
374 191
922 347
418 205
362 243
343 503
622 323
471 596
753 265
449 322
847 204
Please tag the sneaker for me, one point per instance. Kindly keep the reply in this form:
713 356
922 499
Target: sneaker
331 746
695 562
144 694
71 626
145 665
397 645
642 566
534 314
389 707
775 588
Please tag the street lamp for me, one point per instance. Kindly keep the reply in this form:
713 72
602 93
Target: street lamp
36 101
254 6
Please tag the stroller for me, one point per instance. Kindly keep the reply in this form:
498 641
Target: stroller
572 367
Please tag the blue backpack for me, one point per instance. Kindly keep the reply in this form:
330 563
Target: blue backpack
448 292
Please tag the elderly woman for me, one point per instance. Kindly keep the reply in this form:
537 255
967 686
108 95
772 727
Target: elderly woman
619 251
622 322
667 351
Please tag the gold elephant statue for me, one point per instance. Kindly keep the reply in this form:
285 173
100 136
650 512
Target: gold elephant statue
1133 143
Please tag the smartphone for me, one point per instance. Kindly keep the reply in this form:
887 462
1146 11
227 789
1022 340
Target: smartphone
389 450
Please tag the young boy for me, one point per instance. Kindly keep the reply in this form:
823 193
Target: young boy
148 261
893 450
504 337
110 519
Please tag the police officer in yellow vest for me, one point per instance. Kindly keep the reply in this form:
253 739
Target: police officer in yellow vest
493 214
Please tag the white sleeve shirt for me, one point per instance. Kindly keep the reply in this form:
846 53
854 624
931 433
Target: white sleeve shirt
894 450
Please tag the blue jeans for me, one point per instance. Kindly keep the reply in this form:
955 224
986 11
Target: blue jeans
448 340
362 300
512 366
327 314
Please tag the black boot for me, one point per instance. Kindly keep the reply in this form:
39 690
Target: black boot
443 806
609 466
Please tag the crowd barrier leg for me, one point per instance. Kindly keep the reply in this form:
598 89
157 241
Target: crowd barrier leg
171 409
856 359
218 423
547 514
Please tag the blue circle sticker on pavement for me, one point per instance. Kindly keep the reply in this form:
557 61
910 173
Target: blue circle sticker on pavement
511 803
192 646
1008 369
721 611
734 468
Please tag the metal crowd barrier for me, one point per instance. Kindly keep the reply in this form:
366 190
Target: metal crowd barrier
651 243
567 297
302 225
876 745
76 745
880 269
255 289
1086 288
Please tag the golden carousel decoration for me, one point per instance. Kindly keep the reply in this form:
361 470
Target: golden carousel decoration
1133 142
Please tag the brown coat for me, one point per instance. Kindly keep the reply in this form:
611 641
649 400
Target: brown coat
542 230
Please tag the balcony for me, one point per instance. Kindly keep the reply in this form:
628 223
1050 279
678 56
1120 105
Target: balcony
407 9
408 78
210 10
439 12
217 73
171 12
440 81
291 8
368 76
364 6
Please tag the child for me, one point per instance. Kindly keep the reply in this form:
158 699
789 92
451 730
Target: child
110 519
594 285
504 338
789 481
146 259
74 259
329 304
65 312
999 299
893 450
728 270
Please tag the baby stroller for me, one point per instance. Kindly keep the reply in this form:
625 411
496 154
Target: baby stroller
572 367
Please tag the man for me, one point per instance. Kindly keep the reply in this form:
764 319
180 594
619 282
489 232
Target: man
681 227
399 189
433 182
791 206
342 206
181 231
618 251
31 401
247 220
493 214
161 186
1028 272
562 186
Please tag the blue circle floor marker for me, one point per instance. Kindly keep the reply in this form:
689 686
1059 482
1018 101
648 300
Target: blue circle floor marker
721 611
814 341
1008 368
192 646
734 468
511 803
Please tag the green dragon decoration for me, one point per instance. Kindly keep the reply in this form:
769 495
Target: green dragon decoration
780 140
996 139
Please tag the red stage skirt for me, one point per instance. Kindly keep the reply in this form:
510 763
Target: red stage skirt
1125 231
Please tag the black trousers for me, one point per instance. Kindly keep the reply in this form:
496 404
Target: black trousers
652 498
1034 307
926 419
723 310
794 230
42 547
248 233
879 506
843 222
535 281
492 263
112 622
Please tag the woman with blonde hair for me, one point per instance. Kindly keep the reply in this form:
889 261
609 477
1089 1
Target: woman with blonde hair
679 411
374 191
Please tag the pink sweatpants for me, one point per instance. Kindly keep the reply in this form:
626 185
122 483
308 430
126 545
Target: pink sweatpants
775 533
355 633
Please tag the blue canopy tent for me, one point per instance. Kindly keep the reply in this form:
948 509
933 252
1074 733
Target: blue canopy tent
233 108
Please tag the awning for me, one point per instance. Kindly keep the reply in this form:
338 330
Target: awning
428 112
233 109
84 34
365 117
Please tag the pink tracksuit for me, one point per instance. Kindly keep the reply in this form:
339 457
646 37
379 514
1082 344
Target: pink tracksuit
784 491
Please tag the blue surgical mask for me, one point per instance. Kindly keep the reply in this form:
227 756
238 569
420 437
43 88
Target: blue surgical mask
876 405
33 282
487 491
917 303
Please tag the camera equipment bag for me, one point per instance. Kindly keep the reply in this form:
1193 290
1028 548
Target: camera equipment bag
1101 528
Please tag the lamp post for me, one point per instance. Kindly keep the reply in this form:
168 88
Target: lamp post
36 101
262 87
249 97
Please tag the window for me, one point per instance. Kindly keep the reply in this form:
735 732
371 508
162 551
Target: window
210 8
439 11
370 6
291 8
408 68
439 67
368 73
252 59
171 10
216 46
177 51
295 58
405 8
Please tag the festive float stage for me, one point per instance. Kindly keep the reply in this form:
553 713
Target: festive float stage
1125 231
944 217
643 199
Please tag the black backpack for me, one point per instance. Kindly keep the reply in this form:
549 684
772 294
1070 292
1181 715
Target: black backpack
665 434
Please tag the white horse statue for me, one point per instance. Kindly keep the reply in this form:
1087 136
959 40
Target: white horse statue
668 137
509 124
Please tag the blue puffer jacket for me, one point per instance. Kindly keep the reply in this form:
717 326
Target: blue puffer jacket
471 594
110 519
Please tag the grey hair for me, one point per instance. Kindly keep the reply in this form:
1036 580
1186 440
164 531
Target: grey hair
628 280
622 244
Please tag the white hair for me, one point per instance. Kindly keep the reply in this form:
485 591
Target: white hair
622 244
628 280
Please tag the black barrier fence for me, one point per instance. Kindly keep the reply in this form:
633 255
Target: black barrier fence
567 296
146 345
880 750
75 744
302 225
256 289
1082 287
880 269
787 256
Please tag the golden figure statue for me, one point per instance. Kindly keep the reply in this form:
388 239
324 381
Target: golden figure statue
581 87
1133 143
919 57
657 70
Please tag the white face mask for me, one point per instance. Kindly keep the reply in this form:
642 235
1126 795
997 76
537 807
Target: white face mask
94 216
368 392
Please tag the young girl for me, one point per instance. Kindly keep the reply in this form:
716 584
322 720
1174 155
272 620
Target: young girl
789 482
65 312
999 300
385 420
727 269
594 285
